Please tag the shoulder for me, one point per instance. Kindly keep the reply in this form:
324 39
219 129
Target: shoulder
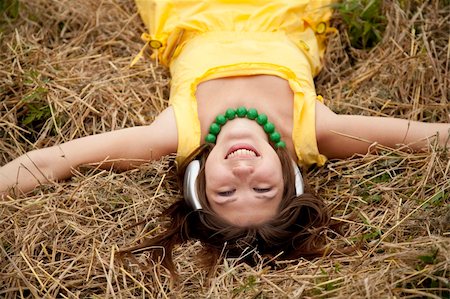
326 120
164 130
166 117
328 124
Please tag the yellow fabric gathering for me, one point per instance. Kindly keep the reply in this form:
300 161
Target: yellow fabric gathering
204 40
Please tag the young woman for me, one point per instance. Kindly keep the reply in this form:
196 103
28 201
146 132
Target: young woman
243 103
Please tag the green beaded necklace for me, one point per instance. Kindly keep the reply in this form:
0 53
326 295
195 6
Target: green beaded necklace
242 112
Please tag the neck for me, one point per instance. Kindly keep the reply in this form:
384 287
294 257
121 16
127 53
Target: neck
243 113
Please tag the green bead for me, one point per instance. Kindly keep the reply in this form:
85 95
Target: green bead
214 129
241 111
230 113
275 137
261 119
221 119
252 113
210 138
269 128
280 144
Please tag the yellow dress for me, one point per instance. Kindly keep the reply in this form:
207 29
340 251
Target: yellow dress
203 40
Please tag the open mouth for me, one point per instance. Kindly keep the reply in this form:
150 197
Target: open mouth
242 151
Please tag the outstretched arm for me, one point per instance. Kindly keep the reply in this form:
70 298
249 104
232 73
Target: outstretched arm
121 149
341 136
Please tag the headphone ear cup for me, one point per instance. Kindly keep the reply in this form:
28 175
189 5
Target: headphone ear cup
299 184
189 185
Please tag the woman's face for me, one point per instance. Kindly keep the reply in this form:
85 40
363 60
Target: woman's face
244 180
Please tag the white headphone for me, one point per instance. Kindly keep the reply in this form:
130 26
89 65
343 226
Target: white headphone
190 179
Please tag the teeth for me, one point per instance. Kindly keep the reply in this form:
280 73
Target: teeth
242 152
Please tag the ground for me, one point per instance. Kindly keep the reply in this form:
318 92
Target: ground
64 73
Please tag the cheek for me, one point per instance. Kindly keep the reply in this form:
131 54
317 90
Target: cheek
276 164
210 168
209 164
274 170
213 172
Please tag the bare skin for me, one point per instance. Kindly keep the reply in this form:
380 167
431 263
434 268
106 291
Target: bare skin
45 165
244 179
269 94
335 138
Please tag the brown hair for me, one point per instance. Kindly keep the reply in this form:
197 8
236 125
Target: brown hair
298 230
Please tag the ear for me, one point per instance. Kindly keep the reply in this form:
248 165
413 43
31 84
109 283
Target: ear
299 184
190 186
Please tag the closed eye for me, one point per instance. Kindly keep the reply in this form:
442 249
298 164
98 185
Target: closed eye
226 193
262 190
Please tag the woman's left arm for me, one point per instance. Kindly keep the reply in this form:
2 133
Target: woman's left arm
341 136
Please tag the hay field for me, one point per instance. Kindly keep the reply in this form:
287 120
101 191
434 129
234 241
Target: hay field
64 73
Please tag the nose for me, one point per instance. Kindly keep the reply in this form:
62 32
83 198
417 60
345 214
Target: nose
242 170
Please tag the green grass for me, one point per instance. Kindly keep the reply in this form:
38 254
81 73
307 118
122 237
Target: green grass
35 110
9 8
364 21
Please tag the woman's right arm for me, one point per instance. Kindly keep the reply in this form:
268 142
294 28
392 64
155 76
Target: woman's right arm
122 149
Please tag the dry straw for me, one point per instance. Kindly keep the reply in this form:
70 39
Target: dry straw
70 61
